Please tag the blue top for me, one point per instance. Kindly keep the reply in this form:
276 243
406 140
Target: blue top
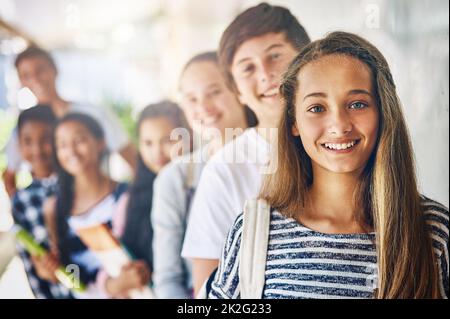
303 263
27 212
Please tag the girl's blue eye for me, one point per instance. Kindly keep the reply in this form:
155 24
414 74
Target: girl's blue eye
275 56
316 109
358 105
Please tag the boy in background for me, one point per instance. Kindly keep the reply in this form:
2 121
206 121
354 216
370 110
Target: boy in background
255 50
35 126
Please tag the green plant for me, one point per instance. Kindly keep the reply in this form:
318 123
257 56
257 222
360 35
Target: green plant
124 111
7 123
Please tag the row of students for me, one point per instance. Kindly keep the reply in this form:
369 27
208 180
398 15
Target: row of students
205 96
339 182
342 186
255 50
76 193
211 108
37 71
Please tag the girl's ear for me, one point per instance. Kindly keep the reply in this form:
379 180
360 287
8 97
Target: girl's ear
294 130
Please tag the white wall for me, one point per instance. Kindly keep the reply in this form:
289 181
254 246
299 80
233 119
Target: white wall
412 34
414 37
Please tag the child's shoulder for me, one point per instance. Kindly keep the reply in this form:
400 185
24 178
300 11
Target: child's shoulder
434 208
436 216
25 194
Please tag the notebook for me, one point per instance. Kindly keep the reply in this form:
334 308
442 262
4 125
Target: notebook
111 254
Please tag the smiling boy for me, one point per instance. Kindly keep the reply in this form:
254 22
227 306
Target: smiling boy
35 126
255 51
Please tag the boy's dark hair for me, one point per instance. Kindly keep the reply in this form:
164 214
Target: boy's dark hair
39 113
253 22
35 52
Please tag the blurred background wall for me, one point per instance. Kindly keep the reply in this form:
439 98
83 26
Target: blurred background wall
127 54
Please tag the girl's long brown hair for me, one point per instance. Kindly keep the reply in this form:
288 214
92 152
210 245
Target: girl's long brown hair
386 197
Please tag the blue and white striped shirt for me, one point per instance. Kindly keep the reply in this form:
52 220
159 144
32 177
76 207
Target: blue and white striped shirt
303 263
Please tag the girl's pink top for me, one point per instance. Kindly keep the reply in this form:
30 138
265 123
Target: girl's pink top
118 227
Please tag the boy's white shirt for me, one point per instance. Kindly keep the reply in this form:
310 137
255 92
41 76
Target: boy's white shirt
233 175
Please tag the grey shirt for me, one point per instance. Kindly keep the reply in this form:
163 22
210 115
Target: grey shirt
172 192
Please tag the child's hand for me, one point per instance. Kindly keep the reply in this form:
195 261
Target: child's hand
9 178
134 275
46 266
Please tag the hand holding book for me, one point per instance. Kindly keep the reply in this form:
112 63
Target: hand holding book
46 262
46 266
127 277
133 275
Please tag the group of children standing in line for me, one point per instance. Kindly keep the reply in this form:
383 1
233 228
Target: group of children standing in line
343 197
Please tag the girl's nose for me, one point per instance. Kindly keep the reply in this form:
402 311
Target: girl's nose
340 123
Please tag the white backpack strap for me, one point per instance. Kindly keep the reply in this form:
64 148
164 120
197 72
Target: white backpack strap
253 250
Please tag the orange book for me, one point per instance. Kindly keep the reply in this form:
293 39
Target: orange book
111 254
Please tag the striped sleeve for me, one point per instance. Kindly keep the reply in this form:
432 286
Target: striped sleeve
437 219
226 281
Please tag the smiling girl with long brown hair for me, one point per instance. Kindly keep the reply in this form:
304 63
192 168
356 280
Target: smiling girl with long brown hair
346 217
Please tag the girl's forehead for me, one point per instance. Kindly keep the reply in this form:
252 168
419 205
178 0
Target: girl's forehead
335 70
199 75
70 129
337 61
70 125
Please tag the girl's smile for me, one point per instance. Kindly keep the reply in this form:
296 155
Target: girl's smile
341 147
